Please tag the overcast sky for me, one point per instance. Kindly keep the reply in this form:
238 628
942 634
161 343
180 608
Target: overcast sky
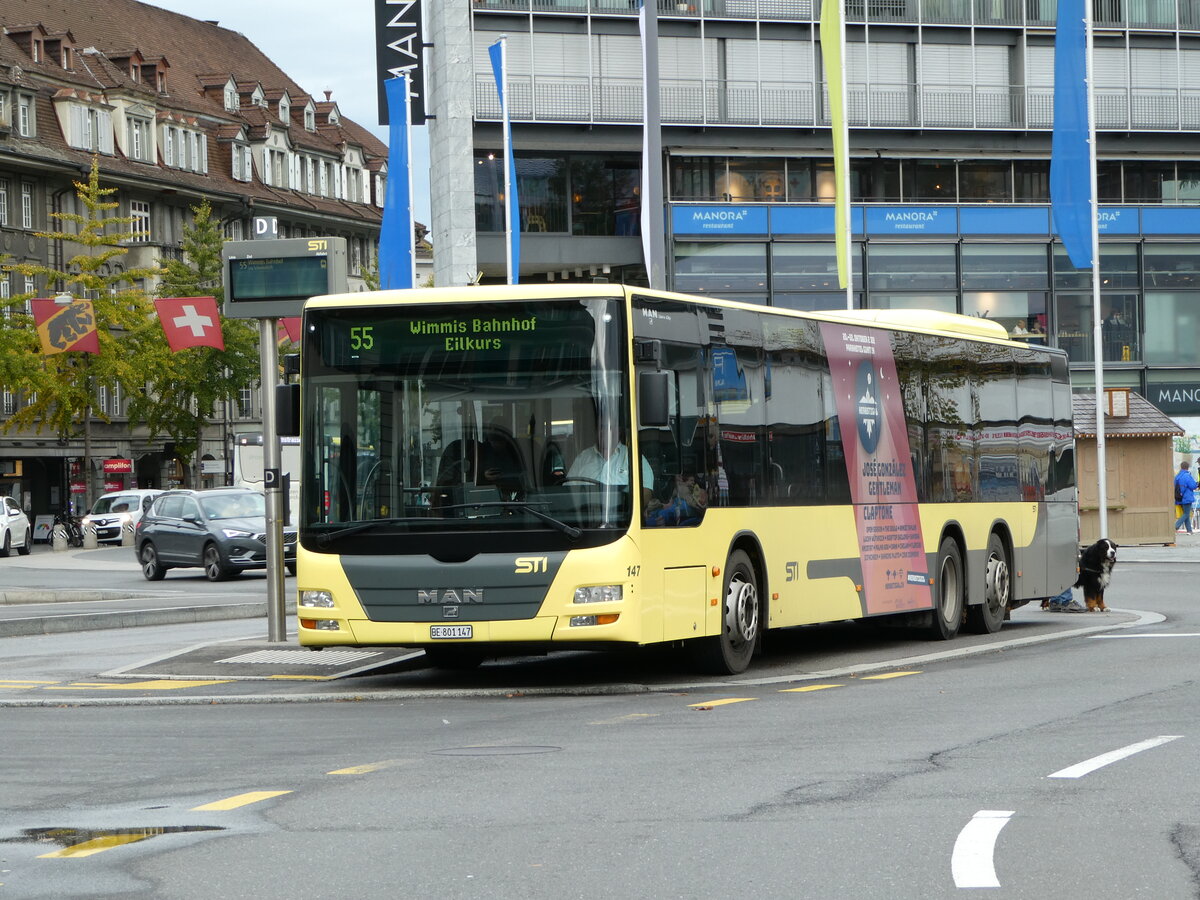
322 47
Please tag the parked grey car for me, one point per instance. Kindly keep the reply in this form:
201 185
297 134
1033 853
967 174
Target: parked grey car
224 530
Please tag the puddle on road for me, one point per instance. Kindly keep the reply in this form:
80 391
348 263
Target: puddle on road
96 839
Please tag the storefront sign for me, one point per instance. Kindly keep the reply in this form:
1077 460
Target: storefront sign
719 220
1167 220
811 220
910 220
1180 397
1117 220
78 487
1004 220
118 466
111 486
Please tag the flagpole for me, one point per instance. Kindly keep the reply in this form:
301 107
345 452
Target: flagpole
507 147
1097 324
844 187
650 215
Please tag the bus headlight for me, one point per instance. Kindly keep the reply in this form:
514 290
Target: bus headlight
609 619
598 594
319 599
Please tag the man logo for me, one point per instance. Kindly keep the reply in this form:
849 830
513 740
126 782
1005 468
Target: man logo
527 565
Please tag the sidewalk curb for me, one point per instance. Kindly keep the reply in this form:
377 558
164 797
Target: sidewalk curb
42 625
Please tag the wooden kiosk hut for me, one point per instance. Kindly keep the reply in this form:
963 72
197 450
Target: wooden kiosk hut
1139 440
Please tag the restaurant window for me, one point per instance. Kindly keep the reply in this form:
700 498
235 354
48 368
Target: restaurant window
985 181
1172 265
928 180
1022 313
1118 269
695 177
997 267
875 180
1031 181
605 196
760 180
721 268
940 302
912 267
1172 323
811 266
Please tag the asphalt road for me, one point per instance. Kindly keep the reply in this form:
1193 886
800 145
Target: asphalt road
1061 768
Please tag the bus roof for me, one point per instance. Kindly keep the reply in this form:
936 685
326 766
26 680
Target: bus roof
926 320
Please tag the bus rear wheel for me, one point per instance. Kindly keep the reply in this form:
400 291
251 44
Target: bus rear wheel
948 592
729 653
987 617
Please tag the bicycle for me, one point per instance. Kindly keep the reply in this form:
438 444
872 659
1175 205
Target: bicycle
72 527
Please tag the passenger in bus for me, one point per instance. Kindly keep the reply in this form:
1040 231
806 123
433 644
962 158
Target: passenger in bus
500 462
607 461
685 506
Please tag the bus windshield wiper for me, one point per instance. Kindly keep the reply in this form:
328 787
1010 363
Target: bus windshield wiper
325 537
569 530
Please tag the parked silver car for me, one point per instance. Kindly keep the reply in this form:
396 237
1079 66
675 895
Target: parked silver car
15 529
222 529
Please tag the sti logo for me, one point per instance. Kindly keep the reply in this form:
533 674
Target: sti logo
793 571
528 565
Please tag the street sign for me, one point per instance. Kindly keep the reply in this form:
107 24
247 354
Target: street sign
272 279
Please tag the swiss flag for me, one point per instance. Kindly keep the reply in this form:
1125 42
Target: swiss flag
190 322
289 328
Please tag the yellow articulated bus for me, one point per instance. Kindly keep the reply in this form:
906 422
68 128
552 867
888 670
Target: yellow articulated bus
514 469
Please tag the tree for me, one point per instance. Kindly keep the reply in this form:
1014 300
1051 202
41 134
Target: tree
189 384
60 390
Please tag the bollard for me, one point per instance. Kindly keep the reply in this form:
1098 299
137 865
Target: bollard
58 538
127 534
89 536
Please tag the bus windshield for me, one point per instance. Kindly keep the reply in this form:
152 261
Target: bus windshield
450 418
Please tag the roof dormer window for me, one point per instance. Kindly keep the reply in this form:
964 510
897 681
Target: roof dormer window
231 97
37 51
310 119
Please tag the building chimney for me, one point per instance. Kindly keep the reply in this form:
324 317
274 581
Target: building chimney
328 94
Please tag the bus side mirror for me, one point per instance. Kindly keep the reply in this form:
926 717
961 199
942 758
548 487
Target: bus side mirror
287 410
654 391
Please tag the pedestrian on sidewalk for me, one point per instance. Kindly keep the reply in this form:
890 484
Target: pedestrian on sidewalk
1185 496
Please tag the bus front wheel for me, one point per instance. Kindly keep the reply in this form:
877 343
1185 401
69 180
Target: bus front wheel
729 653
987 617
948 592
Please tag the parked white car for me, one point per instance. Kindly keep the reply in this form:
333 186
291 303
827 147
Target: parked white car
111 513
15 529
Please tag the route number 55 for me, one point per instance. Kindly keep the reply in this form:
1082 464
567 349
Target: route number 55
361 337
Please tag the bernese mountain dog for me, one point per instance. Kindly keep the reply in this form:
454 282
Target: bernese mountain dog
1095 572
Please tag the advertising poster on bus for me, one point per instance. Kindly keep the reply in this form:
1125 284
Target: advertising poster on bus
883 487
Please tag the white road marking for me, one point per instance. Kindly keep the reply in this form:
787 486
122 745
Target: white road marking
1090 765
1110 636
971 863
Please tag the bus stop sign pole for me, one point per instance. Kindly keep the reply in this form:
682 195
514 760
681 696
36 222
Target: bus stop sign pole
272 481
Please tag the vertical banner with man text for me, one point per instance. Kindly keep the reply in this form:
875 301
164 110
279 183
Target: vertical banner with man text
883 486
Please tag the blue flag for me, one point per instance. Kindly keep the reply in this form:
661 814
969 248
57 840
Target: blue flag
512 207
396 232
1070 160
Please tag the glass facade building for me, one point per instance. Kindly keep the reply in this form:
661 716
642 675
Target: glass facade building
951 109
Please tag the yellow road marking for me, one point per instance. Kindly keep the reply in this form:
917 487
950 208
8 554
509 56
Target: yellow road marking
368 767
95 845
619 719
724 702
806 688
300 677
886 675
12 682
164 684
238 800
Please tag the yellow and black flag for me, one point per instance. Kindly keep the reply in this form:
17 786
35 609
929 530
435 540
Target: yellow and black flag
61 328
